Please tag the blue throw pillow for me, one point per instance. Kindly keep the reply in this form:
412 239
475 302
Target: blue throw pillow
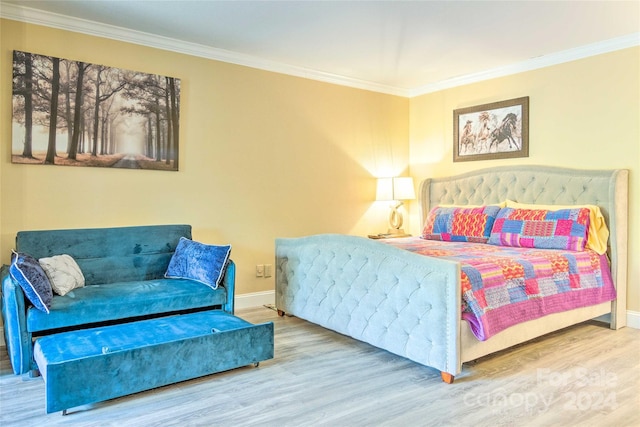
26 270
197 261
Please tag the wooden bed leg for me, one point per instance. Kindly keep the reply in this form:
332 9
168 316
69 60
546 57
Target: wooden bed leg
447 377
280 313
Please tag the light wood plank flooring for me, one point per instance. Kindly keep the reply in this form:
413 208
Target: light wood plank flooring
586 375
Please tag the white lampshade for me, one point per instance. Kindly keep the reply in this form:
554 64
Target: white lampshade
399 188
384 189
403 188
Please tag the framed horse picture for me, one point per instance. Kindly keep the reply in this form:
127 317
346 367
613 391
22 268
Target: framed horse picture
499 130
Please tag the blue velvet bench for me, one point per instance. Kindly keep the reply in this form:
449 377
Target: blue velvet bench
93 365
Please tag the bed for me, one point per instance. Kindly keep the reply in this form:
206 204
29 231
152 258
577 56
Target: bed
410 304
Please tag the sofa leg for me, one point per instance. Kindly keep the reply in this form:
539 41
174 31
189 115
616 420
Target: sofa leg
281 313
447 377
34 373
64 412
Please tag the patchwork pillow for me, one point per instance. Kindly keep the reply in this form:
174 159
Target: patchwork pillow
598 233
459 224
63 272
26 270
541 228
197 261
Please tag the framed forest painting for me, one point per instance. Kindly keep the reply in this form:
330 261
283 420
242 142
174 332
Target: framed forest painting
74 113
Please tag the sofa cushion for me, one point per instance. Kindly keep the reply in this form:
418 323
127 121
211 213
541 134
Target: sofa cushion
101 303
63 273
109 255
197 261
26 270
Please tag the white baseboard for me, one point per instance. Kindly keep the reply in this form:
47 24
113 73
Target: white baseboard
255 299
633 319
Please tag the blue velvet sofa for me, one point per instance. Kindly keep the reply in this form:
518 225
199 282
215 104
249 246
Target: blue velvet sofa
123 268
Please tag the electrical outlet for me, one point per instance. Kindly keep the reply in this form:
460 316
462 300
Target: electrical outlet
260 270
268 268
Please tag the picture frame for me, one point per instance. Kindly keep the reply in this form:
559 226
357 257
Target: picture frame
498 130
73 113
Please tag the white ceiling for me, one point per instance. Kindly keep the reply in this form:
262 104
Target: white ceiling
400 47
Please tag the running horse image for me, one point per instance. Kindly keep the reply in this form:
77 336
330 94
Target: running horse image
505 131
484 131
467 138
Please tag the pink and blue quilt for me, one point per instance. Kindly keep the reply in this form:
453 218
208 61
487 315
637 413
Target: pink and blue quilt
503 286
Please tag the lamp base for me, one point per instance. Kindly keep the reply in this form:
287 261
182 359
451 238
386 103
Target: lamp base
391 233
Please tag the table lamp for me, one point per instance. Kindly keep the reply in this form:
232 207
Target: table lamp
395 190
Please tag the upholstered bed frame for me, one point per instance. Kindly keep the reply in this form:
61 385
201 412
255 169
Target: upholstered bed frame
409 304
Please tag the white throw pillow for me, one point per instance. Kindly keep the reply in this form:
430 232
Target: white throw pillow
63 273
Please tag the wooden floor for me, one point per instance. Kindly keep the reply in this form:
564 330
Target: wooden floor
586 375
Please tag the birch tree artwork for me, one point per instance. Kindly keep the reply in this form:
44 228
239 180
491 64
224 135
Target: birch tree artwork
75 113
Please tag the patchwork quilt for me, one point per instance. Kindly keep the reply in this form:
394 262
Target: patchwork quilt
503 286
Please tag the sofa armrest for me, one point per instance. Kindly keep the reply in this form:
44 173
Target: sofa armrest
17 338
229 283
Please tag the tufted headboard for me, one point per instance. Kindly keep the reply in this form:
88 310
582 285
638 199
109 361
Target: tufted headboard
607 189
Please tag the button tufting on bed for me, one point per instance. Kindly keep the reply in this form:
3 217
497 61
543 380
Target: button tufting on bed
411 305
385 305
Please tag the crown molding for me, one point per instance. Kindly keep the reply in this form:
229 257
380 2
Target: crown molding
581 52
63 22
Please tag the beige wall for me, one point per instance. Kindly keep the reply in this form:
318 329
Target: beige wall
582 114
262 155
265 155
